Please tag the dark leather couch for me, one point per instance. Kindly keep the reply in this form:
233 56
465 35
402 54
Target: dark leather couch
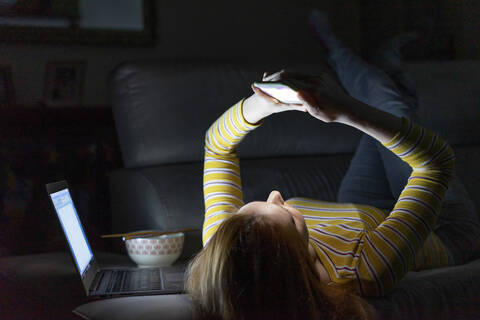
162 110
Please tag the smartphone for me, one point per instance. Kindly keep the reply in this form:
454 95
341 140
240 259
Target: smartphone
279 91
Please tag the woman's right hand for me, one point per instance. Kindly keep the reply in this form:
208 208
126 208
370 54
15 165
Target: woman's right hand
321 95
325 99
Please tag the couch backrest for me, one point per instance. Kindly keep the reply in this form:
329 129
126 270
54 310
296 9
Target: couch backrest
163 109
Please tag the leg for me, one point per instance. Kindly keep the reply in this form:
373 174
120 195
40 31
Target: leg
372 86
361 80
458 224
364 183
376 176
368 83
389 58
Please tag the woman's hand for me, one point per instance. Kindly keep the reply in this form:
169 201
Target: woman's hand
322 96
325 99
260 105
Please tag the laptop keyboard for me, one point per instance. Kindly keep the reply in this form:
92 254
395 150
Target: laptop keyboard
133 280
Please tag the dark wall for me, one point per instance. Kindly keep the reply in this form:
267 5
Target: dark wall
234 30
247 30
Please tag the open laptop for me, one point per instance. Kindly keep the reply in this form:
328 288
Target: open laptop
100 282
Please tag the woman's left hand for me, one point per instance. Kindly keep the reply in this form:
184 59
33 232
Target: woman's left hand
260 105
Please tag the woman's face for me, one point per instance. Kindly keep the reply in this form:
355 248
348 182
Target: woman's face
279 210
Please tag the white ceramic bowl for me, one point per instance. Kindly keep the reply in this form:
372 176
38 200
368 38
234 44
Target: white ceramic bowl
156 251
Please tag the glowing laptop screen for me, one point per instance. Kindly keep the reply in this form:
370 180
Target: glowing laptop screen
72 228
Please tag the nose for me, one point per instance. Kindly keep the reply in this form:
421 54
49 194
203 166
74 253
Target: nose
275 197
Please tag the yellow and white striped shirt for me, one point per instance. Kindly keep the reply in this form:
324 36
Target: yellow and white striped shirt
354 242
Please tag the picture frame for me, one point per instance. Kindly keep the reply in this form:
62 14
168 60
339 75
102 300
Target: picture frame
7 94
71 33
64 81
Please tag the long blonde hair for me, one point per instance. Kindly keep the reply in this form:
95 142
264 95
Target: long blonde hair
255 268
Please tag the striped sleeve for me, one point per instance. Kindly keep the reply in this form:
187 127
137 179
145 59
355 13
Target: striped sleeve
222 187
389 250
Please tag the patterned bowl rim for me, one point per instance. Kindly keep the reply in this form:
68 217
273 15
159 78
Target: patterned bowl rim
165 236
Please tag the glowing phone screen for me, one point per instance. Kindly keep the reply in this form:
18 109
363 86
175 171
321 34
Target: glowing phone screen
279 91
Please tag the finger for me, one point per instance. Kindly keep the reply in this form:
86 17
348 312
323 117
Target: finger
274 76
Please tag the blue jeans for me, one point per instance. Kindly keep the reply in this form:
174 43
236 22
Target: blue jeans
376 176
